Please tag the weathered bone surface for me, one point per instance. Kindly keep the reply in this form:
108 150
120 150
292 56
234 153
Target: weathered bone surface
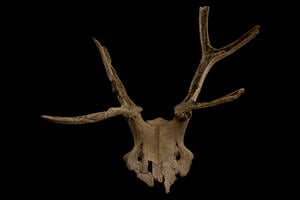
159 152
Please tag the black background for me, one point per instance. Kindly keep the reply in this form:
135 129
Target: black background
155 49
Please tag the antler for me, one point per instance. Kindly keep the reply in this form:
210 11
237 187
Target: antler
159 153
128 108
210 56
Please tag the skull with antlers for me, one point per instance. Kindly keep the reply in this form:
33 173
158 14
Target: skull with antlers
159 152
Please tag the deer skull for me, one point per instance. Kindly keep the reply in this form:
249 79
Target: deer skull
159 152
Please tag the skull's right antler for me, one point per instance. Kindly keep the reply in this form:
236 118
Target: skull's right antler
210 56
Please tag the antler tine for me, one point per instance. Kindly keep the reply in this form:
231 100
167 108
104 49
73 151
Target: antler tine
116 83
90 118
128 107
210 56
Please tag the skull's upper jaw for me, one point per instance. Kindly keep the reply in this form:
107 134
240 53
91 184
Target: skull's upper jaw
148 170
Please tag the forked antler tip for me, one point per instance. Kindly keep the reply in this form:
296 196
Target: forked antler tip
203 10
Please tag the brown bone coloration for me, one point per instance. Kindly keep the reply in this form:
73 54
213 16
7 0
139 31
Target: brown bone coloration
159 152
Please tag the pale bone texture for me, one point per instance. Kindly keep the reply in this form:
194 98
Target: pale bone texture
159 152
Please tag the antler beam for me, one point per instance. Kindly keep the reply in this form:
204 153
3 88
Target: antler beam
210 56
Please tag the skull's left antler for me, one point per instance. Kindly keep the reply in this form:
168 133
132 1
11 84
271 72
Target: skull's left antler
128 108
210 56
